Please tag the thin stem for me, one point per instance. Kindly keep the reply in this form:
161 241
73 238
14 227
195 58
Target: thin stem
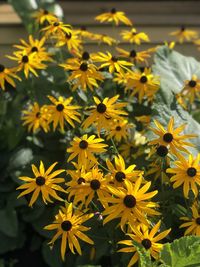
115 148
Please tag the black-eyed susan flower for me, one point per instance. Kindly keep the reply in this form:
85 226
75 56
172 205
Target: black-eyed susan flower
92 185
131 204
36 117
7 75
114 16
62 111
84 75
185 35
112 62
85 148
144 84
132 36
44 182
68 223
119 173
71 40
192 223
84 33
133 148
104 38
136 56
27 63
186 173
119 130
56 28
147 238
190 91
35 46
105 111
171 137
43 16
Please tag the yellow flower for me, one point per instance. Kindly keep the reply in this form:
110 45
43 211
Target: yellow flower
85 147
118 130
133 148
27 63
104 111
89 186
147 238
62 111
103 38
171 137
192 223
68 223
136 56
43 16
6 75
83 75
57 28
35 46
186 173
185 35
190 91
119 173
130 203
145 84
133 36
71 40
113 63
36 117
83 33
44 182
114 16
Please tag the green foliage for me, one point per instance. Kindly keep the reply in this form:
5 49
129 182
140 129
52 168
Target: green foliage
183 252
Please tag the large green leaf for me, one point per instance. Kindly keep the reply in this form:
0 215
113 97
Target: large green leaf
173 69
8 222
183 252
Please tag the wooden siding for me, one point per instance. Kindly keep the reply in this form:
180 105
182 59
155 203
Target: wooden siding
156 18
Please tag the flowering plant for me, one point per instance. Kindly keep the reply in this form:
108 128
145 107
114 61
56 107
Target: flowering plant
102 146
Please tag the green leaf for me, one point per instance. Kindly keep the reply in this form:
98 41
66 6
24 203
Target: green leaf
183 252
20 158
173 69
9 222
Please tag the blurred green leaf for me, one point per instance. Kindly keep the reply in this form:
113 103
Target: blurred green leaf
183 252
20 158
9 222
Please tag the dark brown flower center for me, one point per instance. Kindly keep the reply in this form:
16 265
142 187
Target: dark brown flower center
68 35
83 144
45 12
56 24
133 53
66 225
101 108
84 66
192 83
182 28
120 176
191 171
40 180
113 10
38 115
129 201
2 68
143 79
83 28
95 184
146 243
198 220
81 180
25 59
162 151
168 137
34 49
85 55
60 107
114 59
118 128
